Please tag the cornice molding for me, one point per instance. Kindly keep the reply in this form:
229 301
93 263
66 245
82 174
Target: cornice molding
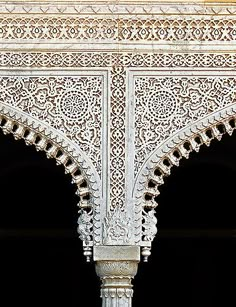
119 7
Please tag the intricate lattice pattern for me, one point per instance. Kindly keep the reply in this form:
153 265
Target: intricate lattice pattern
161 105
165 105
118 29
167 95
70 104
117 135
103 59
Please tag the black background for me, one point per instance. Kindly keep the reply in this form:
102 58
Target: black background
41 257
193 256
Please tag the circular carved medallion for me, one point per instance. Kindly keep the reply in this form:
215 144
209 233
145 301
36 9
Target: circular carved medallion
74 104
162 105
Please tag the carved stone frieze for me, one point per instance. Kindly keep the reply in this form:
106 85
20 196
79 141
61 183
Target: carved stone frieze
124 59
117 29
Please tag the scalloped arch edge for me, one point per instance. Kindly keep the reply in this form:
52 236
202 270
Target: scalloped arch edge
57 147
167 155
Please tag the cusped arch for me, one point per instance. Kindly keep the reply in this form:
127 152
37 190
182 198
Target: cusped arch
159 164
75 162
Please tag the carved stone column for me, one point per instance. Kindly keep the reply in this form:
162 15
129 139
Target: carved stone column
116 274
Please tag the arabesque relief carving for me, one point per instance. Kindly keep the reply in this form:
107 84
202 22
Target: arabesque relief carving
107 59
119 28
70 104
118 93
164 105
169 154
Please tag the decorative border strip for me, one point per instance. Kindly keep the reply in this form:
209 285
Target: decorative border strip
117 137
110 29
121 8
104 59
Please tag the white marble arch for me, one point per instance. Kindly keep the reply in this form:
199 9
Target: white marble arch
158 165
75 162
112 38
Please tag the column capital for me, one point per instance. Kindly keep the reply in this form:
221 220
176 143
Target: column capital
122 269
116 277
116 266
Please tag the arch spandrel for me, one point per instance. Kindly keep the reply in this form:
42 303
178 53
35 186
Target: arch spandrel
70 102
168 154
68 106
76 163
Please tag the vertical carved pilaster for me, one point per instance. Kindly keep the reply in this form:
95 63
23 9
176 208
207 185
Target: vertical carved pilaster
116 277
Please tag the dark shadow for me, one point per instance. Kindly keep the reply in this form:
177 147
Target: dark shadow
193 257
41 257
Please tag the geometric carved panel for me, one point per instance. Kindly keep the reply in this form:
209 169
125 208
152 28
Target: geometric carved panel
70 104
166 104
